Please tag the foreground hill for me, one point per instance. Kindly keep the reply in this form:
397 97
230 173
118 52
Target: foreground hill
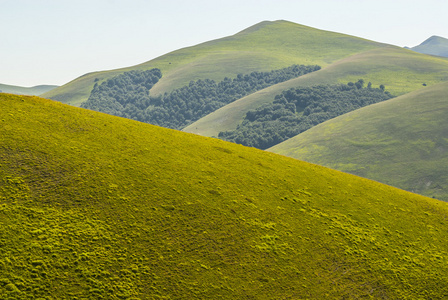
435 45
96 206
263 47
35 90
401 142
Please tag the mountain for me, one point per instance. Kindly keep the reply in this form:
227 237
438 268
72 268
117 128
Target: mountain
435 45
97 206
35 90
263 47
401 142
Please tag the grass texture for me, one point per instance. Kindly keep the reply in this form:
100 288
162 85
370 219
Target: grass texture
402 142
99 207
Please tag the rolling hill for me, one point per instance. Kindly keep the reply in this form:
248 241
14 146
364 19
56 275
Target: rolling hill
34 91
262 47
400 70
401 142
435 45
100 207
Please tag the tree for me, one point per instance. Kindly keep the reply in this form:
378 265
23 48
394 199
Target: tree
360 84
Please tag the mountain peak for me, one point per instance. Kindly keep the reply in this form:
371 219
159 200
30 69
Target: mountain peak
435 45
434 40
263 24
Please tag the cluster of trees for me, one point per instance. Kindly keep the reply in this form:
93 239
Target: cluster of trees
182 106
297 110
125 95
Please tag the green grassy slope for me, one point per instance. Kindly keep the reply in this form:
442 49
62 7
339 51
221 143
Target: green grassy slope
35 90
401 142
400 70
435 45
95 206
262 47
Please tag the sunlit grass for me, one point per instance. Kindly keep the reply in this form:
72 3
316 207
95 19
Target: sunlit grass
95 206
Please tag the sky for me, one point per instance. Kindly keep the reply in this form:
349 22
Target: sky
56 41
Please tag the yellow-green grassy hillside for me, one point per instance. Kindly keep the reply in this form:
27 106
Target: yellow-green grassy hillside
98 207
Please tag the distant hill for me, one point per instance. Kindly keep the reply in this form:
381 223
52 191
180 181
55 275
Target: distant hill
435 45
34 91
263 47
400 70
402 142
94 206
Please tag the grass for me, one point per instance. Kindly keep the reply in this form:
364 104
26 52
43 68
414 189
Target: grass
96 206
400 70
262 47
401 142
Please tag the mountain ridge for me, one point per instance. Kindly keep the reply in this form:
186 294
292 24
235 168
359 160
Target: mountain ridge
20 90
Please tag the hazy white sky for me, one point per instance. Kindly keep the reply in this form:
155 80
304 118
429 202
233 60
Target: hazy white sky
55 41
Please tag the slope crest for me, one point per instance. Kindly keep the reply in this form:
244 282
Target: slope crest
35 90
